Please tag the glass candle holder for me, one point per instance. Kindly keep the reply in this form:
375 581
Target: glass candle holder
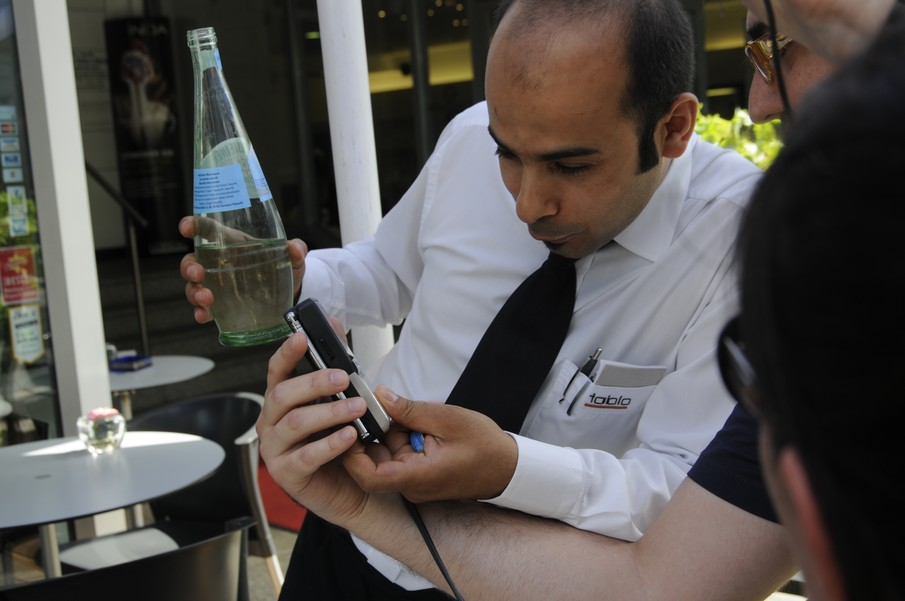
102 430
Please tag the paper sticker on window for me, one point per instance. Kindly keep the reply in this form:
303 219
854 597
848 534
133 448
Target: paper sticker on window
27 333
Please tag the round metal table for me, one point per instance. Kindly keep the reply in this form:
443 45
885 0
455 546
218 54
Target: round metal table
55 480
164 369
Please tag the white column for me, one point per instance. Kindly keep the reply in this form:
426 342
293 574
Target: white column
64 216
352 135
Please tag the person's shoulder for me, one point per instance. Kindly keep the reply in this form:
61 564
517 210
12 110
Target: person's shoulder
718 172
464 136
474 117
476 114
707 155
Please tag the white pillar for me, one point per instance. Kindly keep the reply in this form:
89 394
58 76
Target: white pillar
64 216
352 134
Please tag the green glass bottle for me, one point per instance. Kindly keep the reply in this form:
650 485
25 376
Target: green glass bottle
239 236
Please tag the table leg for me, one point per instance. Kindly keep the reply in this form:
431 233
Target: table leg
125 403
137 514
50 550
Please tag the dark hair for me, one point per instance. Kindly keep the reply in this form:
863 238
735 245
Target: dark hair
822 282
659 52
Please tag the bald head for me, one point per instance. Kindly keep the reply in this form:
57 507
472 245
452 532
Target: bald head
653 38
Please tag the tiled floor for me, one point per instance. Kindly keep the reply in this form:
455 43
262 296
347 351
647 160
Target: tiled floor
259 584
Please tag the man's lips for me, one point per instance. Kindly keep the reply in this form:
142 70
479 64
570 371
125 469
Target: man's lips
549 240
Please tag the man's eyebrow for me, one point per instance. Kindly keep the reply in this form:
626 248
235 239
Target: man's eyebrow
497 140
556 155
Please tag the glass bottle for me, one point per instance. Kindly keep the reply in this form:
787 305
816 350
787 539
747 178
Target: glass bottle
239 236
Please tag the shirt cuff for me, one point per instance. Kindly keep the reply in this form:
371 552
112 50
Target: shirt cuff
393 570
547 480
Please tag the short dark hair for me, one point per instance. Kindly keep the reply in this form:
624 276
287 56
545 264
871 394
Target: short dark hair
822 294
659 52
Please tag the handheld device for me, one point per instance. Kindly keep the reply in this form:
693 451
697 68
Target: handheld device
326 350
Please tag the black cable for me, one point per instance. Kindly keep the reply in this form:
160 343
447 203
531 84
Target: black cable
422 527
780 81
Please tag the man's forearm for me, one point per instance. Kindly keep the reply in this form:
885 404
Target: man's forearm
495 554
700 548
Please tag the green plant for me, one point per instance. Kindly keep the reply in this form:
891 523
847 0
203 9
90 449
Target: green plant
31 237
757 142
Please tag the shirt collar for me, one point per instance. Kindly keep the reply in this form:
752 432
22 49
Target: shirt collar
652 231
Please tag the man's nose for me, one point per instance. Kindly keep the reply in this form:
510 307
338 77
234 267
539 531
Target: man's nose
534 199
764 101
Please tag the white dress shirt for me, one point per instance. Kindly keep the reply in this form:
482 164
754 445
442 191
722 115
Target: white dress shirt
449 254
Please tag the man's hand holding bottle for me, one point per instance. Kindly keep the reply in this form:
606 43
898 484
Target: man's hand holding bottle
193 273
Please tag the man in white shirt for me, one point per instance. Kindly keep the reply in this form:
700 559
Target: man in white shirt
590 114
498 555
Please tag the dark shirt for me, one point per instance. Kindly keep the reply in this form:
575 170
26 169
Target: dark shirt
730 469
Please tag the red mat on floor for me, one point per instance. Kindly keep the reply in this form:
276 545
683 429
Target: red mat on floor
282 511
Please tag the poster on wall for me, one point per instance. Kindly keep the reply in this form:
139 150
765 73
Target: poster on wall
18 278
147 126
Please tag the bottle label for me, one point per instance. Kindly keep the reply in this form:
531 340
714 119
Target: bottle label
257 175
232 152
209 59
219 189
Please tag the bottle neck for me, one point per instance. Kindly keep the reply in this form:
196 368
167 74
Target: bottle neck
202 44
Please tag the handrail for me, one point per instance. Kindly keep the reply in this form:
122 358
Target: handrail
132 217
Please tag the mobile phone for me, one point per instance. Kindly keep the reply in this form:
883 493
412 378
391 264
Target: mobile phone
327 350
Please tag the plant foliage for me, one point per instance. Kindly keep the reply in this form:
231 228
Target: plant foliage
757 142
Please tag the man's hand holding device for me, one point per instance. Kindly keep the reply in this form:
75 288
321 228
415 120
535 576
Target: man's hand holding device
326 350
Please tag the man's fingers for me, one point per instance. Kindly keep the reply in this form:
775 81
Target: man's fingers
286 391
187 227
282 363
415 415
190 269
297 251
374 472
193 273
202 315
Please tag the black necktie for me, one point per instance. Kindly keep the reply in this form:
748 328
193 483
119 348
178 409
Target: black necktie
520 345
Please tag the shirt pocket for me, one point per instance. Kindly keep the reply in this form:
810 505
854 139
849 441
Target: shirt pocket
602 414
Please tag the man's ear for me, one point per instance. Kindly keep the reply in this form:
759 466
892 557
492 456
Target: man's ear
812 532
678 125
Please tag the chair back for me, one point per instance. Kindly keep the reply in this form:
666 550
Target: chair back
231 496
227 419
204 571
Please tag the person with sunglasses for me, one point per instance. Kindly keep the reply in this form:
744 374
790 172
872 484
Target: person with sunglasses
834 29
805 357
699 548
801 68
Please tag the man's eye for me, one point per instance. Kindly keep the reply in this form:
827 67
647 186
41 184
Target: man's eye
570 169
503 153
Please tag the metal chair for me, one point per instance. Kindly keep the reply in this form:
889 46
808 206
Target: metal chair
229 498
207 570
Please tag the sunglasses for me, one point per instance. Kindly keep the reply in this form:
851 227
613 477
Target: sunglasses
761 53
737 372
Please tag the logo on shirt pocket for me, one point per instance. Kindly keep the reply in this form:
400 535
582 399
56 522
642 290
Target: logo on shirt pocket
607 401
